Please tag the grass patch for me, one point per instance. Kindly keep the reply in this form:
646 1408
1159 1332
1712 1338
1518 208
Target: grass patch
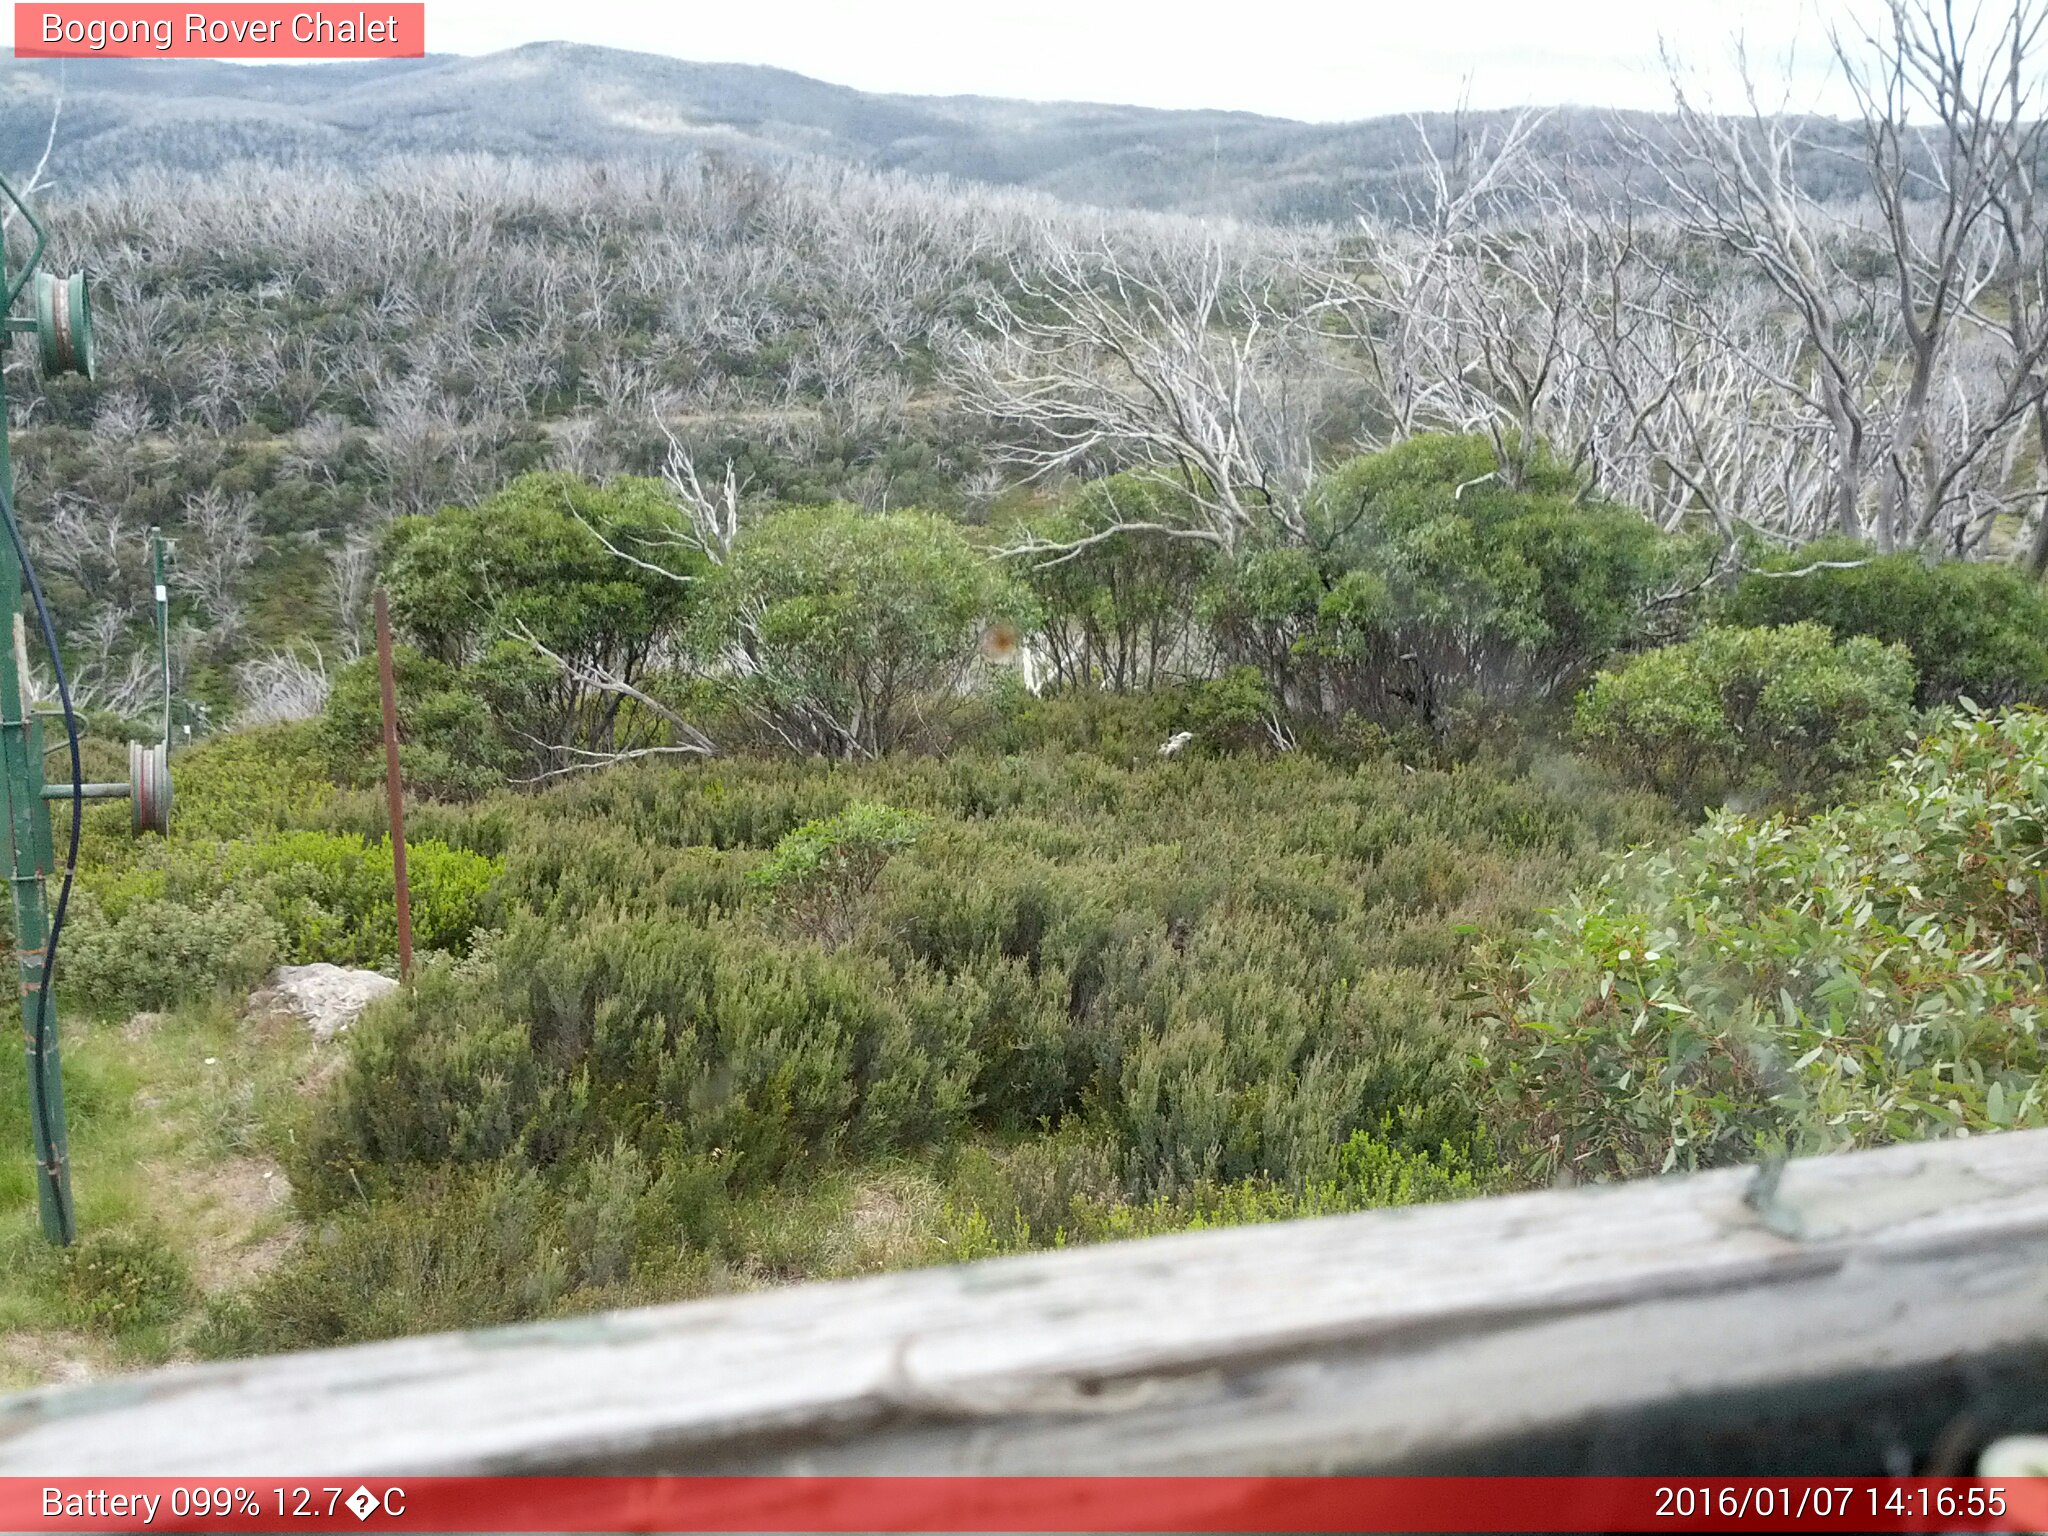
178 1124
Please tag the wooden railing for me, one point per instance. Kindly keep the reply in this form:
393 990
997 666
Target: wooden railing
1881 1311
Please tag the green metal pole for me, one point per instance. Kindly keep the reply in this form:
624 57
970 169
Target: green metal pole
163 626
29 863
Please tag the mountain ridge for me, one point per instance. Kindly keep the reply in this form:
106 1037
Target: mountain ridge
556 99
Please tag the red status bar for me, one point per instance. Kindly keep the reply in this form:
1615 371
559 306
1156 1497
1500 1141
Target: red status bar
220 31
1049 1504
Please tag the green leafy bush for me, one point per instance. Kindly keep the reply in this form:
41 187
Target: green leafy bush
245 782
1427 579
1976 629
450 743
1224 966
1118 613
1234 712
191 915
816 872
849 633
1873 974
534 594
115 1281
1061 1189
462 1252
334 894
154 952
1787 714
1264 608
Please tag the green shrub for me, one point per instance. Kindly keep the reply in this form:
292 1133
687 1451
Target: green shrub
1976 629
1369 1171
1264 607
1235 712
1133 994
532 556
1428 578
115 1281
193 915
468 1248
245 782
156 953
1225 965
1785 714
1059 1189
849 632
1118 613
334 894
818 870
1871 975
450 744
532 594
459 1252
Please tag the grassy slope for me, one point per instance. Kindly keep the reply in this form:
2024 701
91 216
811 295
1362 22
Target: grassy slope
177 1124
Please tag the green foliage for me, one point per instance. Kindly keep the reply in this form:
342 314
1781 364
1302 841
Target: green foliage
1118 613
1060 1189
1786 714
847 631
1871 975
243 882
191 916
155 952
461 1252
333 893
1428 578
450 742
532 556
115 1281
818 870
1976 629
1197 973
1263 608
535 593
1232 712
245 782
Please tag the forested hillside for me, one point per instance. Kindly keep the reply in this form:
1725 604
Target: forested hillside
564 101
941 720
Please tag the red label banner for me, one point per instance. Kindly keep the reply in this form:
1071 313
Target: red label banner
226 31
1049 1504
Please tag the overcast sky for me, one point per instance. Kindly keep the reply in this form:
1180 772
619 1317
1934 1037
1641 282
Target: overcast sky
1325 60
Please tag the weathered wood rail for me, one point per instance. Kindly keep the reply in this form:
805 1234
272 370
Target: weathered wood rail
1881 1311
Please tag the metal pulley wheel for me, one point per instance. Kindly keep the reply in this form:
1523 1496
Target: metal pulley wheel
64 324
149 787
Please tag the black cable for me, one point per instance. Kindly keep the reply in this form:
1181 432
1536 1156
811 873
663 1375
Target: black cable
40 1031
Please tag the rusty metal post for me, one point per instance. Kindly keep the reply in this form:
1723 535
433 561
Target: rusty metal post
393 789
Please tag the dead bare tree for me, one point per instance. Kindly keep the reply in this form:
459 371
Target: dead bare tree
1915 414
351 576
1199 371
1947 233
1416 260
37 179
219 546
281 686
